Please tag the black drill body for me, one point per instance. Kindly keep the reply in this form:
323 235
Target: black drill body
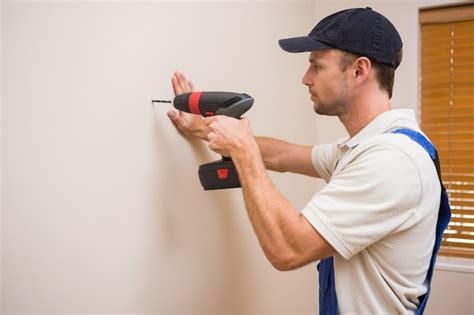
219 174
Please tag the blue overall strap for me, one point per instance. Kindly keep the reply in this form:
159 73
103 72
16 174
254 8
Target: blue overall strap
444 214
327 288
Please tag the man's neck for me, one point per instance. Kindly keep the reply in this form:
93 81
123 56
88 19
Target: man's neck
362 113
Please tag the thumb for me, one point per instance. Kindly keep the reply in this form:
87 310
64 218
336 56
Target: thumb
172 114
176 118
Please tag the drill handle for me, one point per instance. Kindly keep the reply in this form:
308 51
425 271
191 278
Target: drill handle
237 106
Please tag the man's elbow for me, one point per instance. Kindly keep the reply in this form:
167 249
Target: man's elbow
273 164
284 262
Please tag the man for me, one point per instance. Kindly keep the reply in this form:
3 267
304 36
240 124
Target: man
378 213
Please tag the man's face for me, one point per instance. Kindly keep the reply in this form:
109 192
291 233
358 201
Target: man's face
327 84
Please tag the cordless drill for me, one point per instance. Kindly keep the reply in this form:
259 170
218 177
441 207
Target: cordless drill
219 174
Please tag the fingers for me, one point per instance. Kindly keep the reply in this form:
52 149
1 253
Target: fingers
191 85
214 144
176 86
209 120
173 115
211 136
181 84
176 118
211 124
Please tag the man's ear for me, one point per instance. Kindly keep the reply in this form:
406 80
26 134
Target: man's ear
362 68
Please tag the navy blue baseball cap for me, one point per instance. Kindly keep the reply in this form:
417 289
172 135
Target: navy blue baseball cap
359 31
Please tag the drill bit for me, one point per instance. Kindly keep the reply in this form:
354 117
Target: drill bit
159 101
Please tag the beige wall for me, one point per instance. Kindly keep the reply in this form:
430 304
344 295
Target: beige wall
102 210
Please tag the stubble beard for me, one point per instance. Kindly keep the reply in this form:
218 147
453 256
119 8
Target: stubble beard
337 107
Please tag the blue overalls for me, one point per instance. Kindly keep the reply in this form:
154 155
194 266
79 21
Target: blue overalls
327 289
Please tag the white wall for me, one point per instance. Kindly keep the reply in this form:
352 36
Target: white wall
404 15
102 209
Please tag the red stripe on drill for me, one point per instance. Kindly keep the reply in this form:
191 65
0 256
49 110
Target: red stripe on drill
194 102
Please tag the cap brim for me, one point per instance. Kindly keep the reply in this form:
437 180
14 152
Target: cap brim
301 44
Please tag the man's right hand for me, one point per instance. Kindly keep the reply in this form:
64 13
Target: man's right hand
188 124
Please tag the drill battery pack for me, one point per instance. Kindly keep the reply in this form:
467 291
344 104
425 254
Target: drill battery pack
219 174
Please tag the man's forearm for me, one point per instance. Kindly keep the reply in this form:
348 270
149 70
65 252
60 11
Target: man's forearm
271 149
286 237
282 156
268 210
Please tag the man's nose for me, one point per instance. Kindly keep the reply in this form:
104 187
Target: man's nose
306 80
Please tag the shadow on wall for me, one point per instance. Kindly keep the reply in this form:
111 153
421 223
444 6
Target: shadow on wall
198 232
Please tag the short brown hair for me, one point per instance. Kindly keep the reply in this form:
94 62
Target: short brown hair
385 72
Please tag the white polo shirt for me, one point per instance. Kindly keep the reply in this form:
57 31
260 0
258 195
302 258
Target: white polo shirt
379 211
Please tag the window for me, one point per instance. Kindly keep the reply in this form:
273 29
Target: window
447 113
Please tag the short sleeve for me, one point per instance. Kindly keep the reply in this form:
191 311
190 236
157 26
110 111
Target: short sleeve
324 158
375 194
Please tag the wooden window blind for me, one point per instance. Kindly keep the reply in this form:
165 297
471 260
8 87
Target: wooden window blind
447 113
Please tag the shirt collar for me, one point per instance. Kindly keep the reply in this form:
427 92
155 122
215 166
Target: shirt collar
383 123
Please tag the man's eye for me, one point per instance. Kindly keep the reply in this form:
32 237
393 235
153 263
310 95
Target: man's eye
316 67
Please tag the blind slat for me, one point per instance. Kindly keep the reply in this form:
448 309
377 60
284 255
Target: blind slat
464 236
461 228
460 93
464 212
463 82
447 109
458 103
456 252
430 128
465 187
468 220
461 197
469 245
467 118
438 55
458 97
